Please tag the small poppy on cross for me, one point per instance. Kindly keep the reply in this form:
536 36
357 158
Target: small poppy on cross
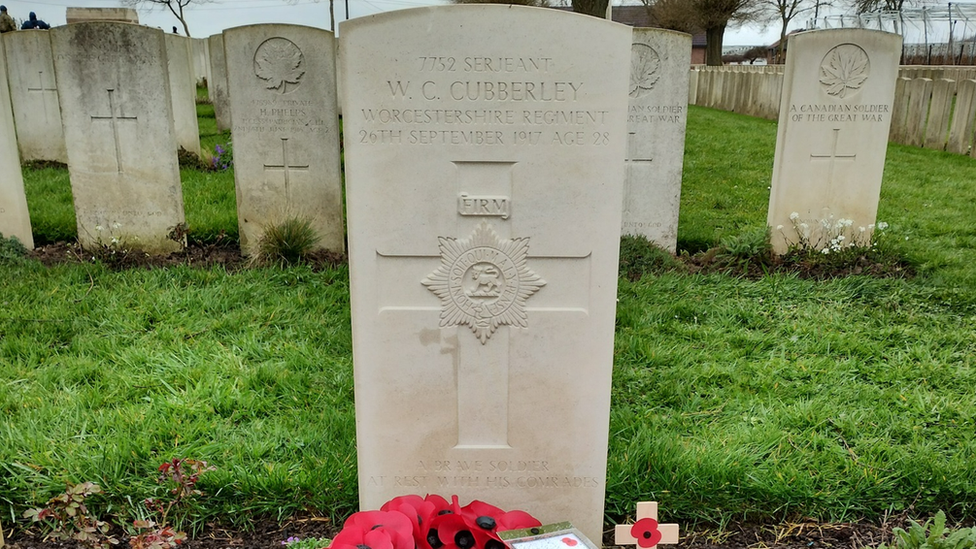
646 532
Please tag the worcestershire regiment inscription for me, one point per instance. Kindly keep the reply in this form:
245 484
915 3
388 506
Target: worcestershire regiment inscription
835 115
118 126
656 118
484 188
284 125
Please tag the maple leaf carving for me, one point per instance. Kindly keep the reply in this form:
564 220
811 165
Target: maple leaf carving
279 62
645 65
844 68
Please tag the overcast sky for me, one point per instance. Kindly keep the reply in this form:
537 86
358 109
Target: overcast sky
213 17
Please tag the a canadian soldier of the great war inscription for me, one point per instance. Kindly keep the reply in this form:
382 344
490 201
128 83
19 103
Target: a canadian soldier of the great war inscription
484 187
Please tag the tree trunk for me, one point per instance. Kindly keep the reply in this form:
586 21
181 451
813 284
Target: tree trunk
713 45
596 8
332 16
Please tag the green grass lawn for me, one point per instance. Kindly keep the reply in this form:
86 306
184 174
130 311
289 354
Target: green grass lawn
733 398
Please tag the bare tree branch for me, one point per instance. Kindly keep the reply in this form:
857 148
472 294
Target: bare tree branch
175 7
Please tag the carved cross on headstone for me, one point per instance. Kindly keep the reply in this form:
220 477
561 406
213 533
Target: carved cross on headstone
113 121
486 280
286 167
41 89
646 532
833 157
632 157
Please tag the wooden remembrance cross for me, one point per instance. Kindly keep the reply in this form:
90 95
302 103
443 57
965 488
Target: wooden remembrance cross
485 280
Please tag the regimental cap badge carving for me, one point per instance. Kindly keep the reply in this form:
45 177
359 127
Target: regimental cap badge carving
280 63
844 70
483 281
645 68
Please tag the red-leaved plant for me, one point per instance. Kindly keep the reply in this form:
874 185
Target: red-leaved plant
68 517
183 474
431 522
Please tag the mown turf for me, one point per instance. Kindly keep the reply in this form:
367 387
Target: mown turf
733 398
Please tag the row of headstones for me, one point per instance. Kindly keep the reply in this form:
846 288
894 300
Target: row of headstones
755 93
485 178
30 59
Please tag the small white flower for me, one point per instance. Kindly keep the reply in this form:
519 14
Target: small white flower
794 216
882 225
906 238
116 225
841 238
861 229
98 228
115 240
825 251
779 227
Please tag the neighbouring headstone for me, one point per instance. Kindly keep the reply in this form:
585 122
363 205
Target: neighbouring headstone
201 60
219 92
34 93
656 128
14 218
285 130
109 15
118 126
836 108
183 92
484 192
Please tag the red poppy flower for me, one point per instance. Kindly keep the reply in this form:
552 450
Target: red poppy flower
421 512
375 530
478 523
646 532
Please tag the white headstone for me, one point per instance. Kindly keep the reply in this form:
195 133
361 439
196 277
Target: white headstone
484 149
285 130
118 126
183 92
832 137
14 219
201 60
219 92
656 127
34 93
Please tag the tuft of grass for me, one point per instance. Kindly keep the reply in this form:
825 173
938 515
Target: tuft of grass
639 256
12 251
287 243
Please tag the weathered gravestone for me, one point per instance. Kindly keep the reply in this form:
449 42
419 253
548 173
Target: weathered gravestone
118 126
34 93
14 219
285 130
219 93
200 48
484 184
183 92
656 128
832 137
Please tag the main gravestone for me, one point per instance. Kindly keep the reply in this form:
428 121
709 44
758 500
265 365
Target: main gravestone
14 218
118 126
832 137
285 130
656 123
484 183
34 94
